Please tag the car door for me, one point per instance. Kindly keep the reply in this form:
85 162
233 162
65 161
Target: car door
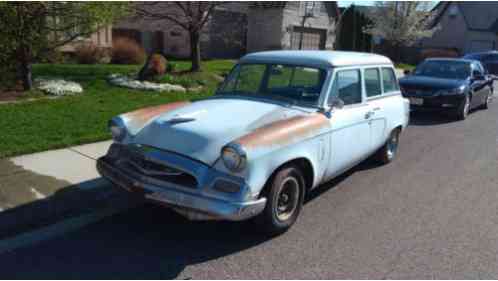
377 120
479 86
350 129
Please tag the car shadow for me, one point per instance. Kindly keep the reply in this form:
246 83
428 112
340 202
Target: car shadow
430 118
146 242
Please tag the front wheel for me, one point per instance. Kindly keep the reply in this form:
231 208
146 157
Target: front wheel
387 153
463 109
284 201
485 105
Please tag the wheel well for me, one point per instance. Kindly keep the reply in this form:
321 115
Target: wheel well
304 165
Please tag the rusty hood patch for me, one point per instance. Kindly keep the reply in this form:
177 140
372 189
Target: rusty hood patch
284 131
137 119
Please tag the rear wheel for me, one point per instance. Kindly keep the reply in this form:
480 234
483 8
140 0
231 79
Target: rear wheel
485 105
389 151
284 201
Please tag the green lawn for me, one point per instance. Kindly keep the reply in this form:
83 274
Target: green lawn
405 66
45 124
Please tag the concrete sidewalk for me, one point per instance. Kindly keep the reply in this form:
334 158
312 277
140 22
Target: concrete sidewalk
43 188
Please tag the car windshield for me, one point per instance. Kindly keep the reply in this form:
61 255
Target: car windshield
444 69
289 83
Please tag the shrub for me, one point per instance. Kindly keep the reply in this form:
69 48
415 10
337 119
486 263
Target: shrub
89 53
127 51
440 53
171 67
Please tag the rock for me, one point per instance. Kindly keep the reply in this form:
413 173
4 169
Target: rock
154 66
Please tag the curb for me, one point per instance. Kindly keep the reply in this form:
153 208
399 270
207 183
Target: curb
73 203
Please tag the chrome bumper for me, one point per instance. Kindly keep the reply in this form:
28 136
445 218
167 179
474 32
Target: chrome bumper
193 206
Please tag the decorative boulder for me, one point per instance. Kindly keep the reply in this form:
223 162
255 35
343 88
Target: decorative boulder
154 66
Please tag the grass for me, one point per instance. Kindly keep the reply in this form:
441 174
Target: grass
45 124
405 66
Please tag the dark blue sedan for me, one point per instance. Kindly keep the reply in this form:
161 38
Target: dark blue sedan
452 85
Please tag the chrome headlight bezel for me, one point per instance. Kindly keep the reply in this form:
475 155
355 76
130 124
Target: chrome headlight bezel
117 130
234 157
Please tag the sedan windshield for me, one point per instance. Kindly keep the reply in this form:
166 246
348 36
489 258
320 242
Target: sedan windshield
444 69
289 83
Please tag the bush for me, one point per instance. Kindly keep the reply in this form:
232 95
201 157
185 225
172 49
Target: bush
127 51
171 67
439 53
89 53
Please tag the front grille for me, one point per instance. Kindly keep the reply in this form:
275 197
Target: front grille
139 164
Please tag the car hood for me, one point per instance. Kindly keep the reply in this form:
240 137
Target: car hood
425 82
199 130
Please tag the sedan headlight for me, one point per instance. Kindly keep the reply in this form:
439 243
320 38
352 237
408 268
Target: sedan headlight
118 131
234 157
452 92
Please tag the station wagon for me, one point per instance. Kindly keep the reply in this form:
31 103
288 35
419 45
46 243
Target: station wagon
280 124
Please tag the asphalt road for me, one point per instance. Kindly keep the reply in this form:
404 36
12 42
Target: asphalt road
433 213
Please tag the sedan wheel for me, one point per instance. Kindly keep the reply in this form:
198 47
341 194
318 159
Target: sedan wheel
284 201
487 101
464 108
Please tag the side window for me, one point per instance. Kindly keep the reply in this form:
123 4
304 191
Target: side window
372 82
389 80
347 87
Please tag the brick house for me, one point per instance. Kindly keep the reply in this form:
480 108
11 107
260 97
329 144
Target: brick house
236 28
465 26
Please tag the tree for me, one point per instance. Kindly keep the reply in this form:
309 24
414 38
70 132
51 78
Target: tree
32 29
401 23
190 16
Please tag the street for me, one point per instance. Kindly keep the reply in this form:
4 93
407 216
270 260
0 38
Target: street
432 213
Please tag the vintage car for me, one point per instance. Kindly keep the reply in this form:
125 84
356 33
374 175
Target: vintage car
280 124
450 85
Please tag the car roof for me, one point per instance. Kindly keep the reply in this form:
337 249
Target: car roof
316 58
452 59
491 52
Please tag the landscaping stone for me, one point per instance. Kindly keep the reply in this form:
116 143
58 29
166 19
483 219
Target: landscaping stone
127 82
58 87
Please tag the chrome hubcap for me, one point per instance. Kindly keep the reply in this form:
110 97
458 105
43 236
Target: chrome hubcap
392 145
287 199
466 107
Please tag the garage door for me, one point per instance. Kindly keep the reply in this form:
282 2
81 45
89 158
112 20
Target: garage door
479 46
308 38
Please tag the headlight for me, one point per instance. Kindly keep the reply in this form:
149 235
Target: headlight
452 92
234 157
118 132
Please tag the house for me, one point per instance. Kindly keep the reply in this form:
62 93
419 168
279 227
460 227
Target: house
236 28
465 26
102 38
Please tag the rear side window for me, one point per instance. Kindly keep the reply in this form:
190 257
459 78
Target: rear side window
347 87
372 82
389 80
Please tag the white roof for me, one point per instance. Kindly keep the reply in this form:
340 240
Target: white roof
316 58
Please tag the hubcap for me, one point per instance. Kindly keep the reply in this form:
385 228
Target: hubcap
466 107
392 145
287 199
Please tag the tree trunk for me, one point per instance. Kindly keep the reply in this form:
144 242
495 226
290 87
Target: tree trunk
195 51
25 70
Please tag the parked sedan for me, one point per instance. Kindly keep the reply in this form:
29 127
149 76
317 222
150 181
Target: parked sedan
282 123
452 85
488 59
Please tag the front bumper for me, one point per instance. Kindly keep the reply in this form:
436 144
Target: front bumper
436 103
189 203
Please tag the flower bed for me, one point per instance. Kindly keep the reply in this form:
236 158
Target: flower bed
127 82
58 87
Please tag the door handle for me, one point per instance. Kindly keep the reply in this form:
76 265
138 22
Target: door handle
376 109
369 114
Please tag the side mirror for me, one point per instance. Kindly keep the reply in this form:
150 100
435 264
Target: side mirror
476 75
406 72
336 103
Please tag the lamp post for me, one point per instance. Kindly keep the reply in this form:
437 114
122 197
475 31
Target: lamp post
309 8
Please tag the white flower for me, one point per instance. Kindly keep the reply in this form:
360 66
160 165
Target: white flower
126 82
58 87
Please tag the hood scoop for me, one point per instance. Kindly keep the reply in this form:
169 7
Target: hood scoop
178 120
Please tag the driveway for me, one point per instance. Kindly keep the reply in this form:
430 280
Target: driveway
430 214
